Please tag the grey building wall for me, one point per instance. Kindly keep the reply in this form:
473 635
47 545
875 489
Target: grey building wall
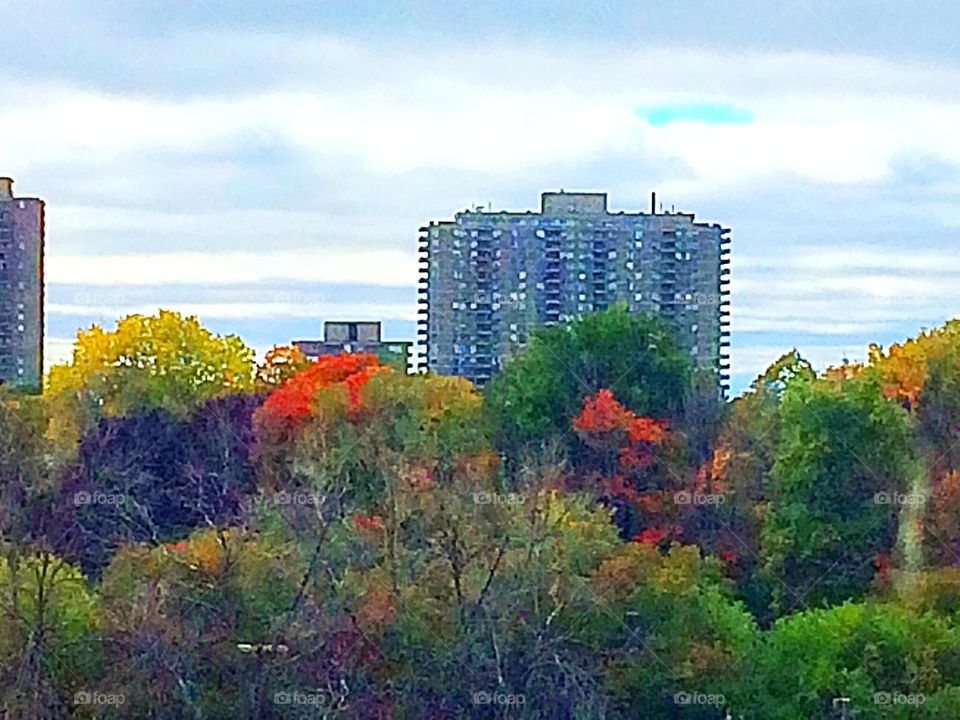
488 278
359 331
359 336
21 288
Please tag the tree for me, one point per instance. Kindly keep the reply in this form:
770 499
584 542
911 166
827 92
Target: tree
842 455
668 630
923 375
26 463
163 361
190 627
880 656
740 470
279 364
48 635
154 476
625 461
633 356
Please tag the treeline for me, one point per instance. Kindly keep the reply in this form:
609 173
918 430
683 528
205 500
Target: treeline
187 534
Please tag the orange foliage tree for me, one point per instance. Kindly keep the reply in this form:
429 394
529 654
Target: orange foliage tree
923 375
623 465
291 401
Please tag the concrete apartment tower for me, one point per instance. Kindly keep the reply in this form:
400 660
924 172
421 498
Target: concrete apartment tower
21 289
488 278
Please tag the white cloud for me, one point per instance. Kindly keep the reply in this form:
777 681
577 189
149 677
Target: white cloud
255 311
343 265
503 109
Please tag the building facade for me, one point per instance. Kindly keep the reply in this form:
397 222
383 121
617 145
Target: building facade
488 278
21 288
358 336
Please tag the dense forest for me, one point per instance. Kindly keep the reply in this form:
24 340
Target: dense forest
188 534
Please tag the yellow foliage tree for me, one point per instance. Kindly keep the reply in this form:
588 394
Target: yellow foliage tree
149 361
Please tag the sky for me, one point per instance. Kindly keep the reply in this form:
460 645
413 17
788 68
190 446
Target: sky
266 165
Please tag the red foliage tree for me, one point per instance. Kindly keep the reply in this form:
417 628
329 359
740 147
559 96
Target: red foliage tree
291 401
604 423
622 449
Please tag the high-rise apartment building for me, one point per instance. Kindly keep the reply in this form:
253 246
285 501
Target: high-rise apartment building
21 288
488 278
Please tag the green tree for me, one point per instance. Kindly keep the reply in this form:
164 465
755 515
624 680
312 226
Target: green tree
743 458
48 639
193 627
669 631
838 484
870 653
539 391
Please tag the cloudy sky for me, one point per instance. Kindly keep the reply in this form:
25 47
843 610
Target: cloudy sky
266 165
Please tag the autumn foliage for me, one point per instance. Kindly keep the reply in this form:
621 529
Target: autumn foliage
292 400
604 423
621 463
377 543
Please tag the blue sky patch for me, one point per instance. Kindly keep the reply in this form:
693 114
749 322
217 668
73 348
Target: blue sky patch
710 113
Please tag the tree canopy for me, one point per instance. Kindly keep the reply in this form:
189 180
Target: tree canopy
185 534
